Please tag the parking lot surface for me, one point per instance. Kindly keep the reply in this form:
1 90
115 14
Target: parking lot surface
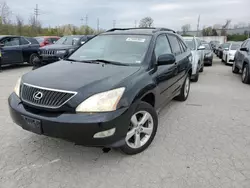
201 143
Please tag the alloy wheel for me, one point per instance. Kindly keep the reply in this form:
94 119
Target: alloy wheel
187 87
140 130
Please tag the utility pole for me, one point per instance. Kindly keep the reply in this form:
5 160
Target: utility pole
36 11
135 23
82 21
114 23
198 25
98 24
86 20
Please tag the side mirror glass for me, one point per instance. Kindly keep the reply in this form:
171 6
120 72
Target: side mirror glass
201 48
166 59
244 49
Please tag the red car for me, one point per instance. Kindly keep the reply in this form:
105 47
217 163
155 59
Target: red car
46 40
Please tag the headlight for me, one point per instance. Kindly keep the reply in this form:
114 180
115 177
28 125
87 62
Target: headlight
102 102
61 52
17 87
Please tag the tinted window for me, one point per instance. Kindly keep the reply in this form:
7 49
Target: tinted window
174 44
31 40
127 49
53 40
24 41
11 42
183 46
162 46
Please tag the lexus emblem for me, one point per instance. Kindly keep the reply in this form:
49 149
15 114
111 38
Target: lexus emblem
37 95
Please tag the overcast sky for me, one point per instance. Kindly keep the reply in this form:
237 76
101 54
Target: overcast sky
166 13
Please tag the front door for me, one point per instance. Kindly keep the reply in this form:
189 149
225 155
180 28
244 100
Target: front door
11 52
242 54
165 73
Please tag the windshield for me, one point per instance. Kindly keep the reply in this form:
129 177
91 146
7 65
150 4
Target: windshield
190 43
226 45
68 40
126 49
235 46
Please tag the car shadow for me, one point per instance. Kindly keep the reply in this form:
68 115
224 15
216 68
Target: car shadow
16 66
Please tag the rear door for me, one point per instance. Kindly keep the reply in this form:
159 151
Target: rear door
11 52
180 60
165 73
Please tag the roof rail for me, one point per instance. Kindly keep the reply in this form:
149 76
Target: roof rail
153 28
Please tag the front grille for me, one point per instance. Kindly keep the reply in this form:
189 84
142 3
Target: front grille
48 52
45 97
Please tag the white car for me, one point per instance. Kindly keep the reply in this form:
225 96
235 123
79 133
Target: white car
229 52
197 50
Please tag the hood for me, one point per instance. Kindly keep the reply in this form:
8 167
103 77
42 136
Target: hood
232 52
57 47
77 76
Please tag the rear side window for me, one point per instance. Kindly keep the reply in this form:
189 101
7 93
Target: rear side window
53 40
24 41
183 46
31 40
174 42
162 46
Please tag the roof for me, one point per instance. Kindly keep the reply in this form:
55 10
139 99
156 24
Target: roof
146 30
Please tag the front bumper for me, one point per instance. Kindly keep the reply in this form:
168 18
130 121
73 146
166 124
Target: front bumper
51 59
230 59
79 128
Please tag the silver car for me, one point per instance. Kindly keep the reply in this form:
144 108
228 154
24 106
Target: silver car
197 50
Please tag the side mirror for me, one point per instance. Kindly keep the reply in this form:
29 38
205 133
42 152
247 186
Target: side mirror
201 48
1 45
244 49
166 59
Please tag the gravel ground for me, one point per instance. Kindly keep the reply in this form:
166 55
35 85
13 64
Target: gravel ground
201 143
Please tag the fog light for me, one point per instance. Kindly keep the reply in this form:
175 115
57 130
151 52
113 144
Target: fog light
104 134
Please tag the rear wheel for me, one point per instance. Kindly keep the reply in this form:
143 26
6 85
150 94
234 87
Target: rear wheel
234 68
184 90
245 74
142 129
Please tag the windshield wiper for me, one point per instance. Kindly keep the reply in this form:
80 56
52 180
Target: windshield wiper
109 62
81 61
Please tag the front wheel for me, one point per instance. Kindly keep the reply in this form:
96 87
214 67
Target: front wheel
235 69
184 90
32 58
142 129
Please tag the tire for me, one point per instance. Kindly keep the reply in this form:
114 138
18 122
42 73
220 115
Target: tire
184 90
245 74
196 77
226 61
136 129
201 70
235 69
222 59
32 58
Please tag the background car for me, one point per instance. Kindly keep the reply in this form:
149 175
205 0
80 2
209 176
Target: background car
197 50
18 49
208 57
47 40
214 44
221 48
228 53
242 61
60 49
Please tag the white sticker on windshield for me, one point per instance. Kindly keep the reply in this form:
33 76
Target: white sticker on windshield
135 40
